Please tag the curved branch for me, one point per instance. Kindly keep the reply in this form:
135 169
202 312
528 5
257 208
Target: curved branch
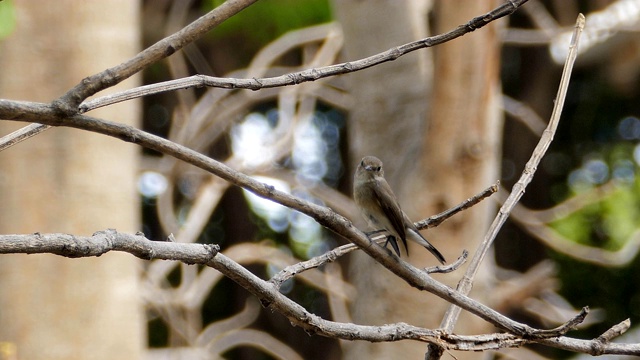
68 103
198 81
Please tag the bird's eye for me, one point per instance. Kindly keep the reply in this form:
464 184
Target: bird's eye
362 163
377 168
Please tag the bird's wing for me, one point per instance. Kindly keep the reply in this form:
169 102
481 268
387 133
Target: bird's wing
390 207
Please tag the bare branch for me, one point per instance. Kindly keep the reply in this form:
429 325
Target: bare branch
295 78
443 269
466 283
615 331
566 327
68 103
20 135
607 336
206 254
104 241
332 255
440 218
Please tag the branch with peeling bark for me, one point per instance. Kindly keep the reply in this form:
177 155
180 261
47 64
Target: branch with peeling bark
268 294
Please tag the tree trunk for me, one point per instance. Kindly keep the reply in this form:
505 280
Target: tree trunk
65 180
462 149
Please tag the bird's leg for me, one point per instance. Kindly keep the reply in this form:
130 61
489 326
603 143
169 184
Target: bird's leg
390 240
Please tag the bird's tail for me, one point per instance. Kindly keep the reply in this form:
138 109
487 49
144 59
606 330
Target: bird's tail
418 238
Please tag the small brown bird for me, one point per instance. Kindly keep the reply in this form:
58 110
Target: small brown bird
381 209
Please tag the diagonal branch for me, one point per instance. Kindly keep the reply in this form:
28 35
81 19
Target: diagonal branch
472 201
332 255
198 81
22 134
68 103
466 283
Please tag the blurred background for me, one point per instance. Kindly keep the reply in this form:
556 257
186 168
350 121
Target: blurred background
447 122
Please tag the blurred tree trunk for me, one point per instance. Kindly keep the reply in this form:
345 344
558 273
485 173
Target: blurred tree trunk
66 180
438 148
463 143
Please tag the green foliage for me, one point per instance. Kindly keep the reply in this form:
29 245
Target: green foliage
611 221
266 20
621 214
7 18
607 223
577 226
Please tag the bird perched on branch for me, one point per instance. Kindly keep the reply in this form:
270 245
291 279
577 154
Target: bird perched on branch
381 209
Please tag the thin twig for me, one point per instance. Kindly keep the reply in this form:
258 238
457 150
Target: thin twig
440 218
68 103
332 255
564 328
615 331
444 269
466 282
198 81
21 135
